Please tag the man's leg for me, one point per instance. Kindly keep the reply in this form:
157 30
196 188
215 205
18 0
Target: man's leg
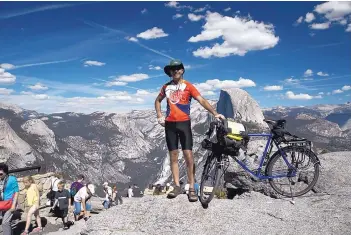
189 160
6 223
186 140
174 166
172 140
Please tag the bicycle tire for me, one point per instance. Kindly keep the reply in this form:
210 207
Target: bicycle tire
209 160
312 156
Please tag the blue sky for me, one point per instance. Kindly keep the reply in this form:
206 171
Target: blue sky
109 56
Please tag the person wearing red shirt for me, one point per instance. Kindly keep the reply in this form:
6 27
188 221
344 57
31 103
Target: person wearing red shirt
177 123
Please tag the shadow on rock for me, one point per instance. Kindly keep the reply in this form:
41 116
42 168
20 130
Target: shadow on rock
19 228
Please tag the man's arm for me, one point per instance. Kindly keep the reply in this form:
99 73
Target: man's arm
204 103
158 101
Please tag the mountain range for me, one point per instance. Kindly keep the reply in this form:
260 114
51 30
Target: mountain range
130 148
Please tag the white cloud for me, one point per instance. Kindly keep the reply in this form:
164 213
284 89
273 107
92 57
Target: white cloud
334 10
26 93
321 93
338 91
216 84
309 17
133 77
172 4
237 12
308 73
38 86
41 96
290 95
151 67
239 35
299 20
144 11
132 39
343 22
116 83
227 9
322 74
348 28
142 93
193 17
7 66
33 10
290 81
6 78
177 16
320 26
201 9
93 63
346 88
152 33
117 95
5 91
273 88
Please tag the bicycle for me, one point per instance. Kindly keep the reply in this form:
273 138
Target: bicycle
222 147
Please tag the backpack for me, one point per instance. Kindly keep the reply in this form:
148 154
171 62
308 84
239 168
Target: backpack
75 188
51 194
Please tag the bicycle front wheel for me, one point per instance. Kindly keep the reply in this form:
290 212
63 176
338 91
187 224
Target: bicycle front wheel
210 179
300 178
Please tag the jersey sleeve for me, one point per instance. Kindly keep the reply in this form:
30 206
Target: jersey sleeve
163 91
193 91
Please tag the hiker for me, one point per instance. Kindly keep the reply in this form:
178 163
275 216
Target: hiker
33 203
75 186
108 195
117 196
9 192
62 203
130 191
82 203
54 187
177 123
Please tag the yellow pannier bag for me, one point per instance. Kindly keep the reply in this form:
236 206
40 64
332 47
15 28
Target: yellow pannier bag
235 130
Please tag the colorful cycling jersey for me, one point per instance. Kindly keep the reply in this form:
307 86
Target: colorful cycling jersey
178 100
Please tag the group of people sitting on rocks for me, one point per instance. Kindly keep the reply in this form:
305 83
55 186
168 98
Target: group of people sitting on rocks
61 199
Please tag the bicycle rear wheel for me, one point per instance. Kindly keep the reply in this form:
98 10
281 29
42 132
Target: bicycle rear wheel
307 171
211 172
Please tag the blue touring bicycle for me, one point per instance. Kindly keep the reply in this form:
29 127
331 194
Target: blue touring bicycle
290 163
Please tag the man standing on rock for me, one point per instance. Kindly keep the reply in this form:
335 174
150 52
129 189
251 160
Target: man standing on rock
179 93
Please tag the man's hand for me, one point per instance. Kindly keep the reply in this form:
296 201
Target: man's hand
220 116
161 120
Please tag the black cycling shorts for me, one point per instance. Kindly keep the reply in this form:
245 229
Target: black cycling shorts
176 131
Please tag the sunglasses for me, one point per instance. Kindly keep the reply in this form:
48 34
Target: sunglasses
176 68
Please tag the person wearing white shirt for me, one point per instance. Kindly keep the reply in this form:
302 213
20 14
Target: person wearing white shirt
108 196
130 192
82 204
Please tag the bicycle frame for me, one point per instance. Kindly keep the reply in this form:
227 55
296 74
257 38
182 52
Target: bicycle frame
269 145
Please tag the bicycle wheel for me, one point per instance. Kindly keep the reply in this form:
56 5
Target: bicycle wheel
303 160
212 172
